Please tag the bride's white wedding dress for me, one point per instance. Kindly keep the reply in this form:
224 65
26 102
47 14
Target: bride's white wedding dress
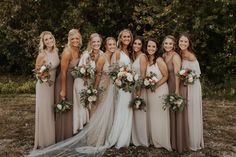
120 134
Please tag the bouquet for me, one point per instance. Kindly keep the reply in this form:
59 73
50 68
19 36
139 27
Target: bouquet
138 104
150 81
124 77
188 76
42 74
63 106
175 102
83 71
88 97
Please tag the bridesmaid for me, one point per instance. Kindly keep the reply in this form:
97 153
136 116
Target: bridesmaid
178 120
193 94
90 56
159 119
44 114
140 126
64 89
121 129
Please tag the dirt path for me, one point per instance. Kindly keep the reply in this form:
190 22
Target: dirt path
17 130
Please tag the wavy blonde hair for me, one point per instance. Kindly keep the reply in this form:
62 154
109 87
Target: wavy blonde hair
42 45
120 44
89 46
73 32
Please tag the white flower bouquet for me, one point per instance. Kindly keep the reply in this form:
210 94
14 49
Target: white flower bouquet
150 81
42 74
63 106
188 76
88 97
174 102
138 103
124 78
83 71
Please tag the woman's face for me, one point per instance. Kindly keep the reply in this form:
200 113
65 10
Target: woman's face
126 38
111 45
48 41
74 40
137 45
96 43
168 45
183 43
151 47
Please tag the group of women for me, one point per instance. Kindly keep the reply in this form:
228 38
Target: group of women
111 122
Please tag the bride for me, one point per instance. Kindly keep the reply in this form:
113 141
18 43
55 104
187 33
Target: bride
91 140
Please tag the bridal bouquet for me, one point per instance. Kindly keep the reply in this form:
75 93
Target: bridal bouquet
138 104
42 74
188 76
83 71
174 102
63 106
150 81
124 77
88 97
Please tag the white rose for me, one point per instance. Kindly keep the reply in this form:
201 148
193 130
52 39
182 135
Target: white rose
181 72
179 102
90 98
59 106
43 68
89 91
190 79
130 77
120 74
82 70
118 82
137 104
95 91
44 80
136 77
94 98
146 82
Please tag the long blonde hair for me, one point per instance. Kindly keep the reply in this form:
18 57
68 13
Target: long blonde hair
42 45
120 44
89 46
73 32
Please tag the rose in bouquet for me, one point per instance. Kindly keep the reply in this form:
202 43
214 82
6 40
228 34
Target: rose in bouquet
138 103
174 102
125 78
88 97
83 71
42 73
150 81
188 76
63 106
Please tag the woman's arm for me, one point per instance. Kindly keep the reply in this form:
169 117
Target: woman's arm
99 67
177 66
164 71
65 59
39 61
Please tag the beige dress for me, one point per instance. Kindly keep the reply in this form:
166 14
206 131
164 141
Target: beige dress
140 129
194 97
64 121
44 111
178 120
158 118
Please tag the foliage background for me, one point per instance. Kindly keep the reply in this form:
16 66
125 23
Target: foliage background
212 24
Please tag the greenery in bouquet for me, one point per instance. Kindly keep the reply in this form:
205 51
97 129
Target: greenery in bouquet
42 73
88 97
188 76
150 81
138 103
63 106
83 71
174 102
